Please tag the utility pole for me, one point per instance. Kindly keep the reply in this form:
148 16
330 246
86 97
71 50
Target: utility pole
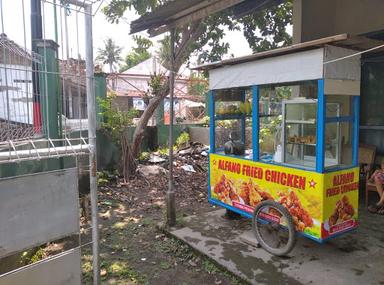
171 207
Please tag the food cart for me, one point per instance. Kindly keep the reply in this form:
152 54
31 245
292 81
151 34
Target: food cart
284 142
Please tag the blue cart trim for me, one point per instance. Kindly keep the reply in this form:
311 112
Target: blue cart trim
356 110
211 121
255 122
320 147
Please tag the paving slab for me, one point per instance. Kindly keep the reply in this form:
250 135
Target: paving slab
354 258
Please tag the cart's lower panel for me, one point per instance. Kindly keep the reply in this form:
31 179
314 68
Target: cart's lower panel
321 205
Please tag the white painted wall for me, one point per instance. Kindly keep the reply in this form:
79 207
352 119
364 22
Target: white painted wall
16 89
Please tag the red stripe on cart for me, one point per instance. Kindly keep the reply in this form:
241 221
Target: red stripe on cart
269 217
243 207
342 226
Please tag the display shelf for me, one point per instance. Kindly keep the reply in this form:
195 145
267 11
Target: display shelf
299 120
231 117
297 143
311 122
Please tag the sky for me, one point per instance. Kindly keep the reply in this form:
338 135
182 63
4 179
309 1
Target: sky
15 22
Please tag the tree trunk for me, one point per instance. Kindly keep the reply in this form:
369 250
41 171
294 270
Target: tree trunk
147 114
182 52
129 162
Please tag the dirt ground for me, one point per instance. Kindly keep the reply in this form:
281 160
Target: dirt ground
133 248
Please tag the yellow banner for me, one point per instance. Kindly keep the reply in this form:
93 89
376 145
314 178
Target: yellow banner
243 184
341 201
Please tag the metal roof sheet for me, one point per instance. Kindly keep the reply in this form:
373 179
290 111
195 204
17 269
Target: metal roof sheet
343 40
180 12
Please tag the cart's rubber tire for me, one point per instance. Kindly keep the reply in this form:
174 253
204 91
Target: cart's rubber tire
289 224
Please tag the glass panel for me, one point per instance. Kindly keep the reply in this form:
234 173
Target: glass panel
301 111
233 107
223 130
270 113
300 132
271 118
233 102
228 108
338 144
338 106
230 131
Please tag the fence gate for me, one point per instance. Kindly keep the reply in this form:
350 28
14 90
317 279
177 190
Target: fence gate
36 209
47 111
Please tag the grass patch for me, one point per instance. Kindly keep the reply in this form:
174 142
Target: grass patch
209 266
183 251
122 270
119 225
175 247
86 265
146 222
165 265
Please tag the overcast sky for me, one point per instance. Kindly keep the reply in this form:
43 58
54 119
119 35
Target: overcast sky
17 27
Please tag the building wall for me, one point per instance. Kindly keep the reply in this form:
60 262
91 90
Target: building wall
122 103
313 19
16 85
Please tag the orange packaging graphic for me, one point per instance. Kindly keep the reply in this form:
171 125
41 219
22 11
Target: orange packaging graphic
311 198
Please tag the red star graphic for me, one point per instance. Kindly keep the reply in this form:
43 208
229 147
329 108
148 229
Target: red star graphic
312 184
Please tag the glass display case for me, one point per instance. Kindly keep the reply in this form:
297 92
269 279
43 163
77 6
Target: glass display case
232 109
299 137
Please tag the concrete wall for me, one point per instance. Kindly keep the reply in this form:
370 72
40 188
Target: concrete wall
313 19
201 134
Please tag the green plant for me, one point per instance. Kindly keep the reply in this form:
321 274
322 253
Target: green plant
205 121
156 83
144 156
226 124
39 255
164 150
270 127
210 267
110 54
116 123
139 53
102 178
182 140
197 85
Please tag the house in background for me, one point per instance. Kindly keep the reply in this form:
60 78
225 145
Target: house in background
16 102
73 87
313 19
131 88
73 95
17 112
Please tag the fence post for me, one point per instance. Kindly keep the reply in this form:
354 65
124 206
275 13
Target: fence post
101 93
91 108
47 49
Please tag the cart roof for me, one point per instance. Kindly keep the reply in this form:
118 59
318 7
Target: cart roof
341 40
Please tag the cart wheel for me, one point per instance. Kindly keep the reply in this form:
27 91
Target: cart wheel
274 228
